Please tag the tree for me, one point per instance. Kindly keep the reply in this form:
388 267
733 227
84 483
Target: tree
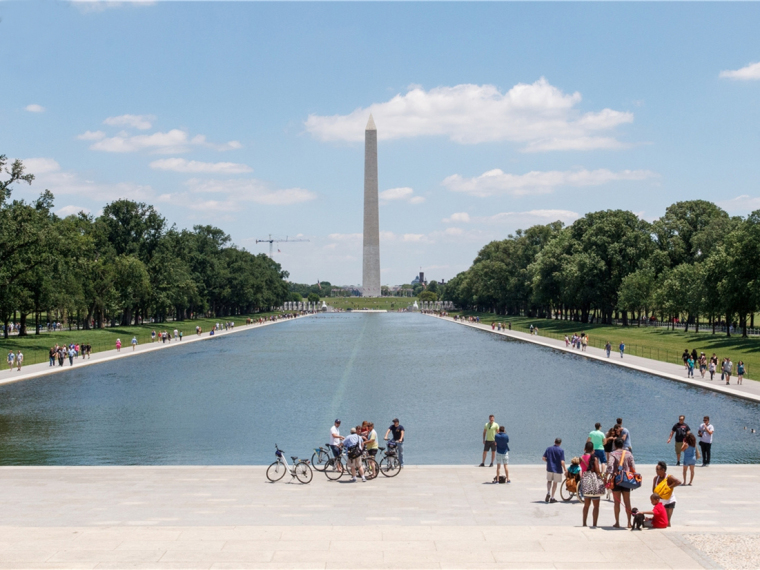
428 296
313 298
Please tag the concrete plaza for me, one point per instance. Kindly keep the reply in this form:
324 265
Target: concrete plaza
427 517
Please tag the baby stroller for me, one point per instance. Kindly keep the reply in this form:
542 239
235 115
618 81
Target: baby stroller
571 484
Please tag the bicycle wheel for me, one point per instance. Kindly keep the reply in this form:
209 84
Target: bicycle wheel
304 473
564 492
319 460
370 468
334 469
276 471
389 466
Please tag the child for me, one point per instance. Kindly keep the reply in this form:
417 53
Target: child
659 516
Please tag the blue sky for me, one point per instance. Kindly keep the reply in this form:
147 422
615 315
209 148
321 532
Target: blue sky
491 117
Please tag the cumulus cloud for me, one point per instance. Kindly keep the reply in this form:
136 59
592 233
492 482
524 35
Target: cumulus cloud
194 166
457 217
71 210
400 194
527 218
538 115
141 122
250 190
496 182
743 204
91 136
34 108
751 71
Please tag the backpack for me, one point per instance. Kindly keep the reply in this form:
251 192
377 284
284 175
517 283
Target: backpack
354 452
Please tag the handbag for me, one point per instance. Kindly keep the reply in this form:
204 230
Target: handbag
627 479
591 484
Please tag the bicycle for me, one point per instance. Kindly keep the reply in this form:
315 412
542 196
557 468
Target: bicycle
321 457
299 470
371 468
389 464
335 467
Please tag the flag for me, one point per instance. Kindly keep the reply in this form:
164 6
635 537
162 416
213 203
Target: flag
319 285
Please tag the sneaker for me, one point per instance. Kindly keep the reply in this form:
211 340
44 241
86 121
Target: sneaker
353 479
678 463
552 500
482 465
364 479
491 465
508 481
546 500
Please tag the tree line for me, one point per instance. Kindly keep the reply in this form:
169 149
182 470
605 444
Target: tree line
695 264
124 266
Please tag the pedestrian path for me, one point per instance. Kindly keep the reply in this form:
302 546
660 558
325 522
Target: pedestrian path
43 369
749 390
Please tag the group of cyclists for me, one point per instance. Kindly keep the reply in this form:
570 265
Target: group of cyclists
363 443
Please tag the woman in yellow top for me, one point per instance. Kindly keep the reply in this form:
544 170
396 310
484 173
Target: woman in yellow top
663 484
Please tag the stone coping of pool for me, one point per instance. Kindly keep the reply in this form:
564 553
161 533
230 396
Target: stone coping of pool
749 390
43 369
426 517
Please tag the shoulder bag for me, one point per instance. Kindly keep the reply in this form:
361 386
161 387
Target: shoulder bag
627 479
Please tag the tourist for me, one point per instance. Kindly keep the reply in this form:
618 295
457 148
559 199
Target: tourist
620 460
663 484
354 446
19 360
335 439
554 457
702 364
596 438
621 348
680 430
531 329
624 434
567 342
685 358
51 355
502 454
690 456
690 367
705 433
176 334
153 336
740 372
694 355
608 348
591 485
72 354
727 367
584 342
371 443
489 442
659 515
180 335
712 366
61 355
134 343
398 433
11 360
118 345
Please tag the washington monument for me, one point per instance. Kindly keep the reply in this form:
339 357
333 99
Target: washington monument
371 263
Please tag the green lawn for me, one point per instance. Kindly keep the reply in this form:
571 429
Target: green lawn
35 347
386 303
656 343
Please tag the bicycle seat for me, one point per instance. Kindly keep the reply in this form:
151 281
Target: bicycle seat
294 458
381 448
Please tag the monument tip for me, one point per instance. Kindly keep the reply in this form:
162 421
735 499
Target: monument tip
370 124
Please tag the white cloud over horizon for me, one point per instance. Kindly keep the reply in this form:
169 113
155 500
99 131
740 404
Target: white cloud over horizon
747 73
175 141
744 204
497 182
35 108
91 136
194 166
140 122
526 218
71 210
405 194
248 190
538 115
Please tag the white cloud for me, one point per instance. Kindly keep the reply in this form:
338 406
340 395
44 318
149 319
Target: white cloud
91 136
141 122
496 182
194 166
743 204
251 190
34 108
538 115
527 218
416 199
415 238
454 231
346 237
457 217
171 142
69 210
405 194
752 71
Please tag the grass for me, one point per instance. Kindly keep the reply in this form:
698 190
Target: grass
649 342
381 303
36 347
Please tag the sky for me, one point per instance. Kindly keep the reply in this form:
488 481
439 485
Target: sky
491 117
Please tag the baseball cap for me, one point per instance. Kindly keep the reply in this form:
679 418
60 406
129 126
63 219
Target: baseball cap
353 430
337 421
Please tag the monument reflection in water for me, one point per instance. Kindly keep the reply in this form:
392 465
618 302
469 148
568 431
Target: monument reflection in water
229 400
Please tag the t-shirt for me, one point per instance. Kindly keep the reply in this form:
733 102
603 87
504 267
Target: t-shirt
396 431
555 455
597 438
660 517
334 433
680 430
371 440
491 429
352 440
626 437
706 436
502 443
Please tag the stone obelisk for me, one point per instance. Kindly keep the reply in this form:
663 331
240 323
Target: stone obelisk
371 259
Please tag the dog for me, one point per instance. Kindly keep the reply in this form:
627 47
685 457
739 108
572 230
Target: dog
638 519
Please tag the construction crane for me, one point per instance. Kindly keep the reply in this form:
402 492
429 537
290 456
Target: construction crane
271 241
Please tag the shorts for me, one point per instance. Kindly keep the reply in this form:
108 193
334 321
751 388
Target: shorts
502 458
489 446
553 477
679 446
619 489
372 452
356 463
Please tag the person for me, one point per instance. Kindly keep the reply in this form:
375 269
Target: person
371 442
659 515
712 366
705 433
591 483
621 348
584 342
397 430
554 457
19 360
663 484
620 460
489 444
180 335
680 430
176 334
625 435
11 360
685 358
690 367
690 456
502 454
134 343
51 355
597 439
727 367
740 372
72 354
702 364
608 348
153 335
118 345
335 439
354 464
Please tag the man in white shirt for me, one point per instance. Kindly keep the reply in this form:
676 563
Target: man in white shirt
705 433
335 438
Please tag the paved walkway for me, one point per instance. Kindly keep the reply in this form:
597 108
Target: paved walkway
35 370
749 390
427 517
